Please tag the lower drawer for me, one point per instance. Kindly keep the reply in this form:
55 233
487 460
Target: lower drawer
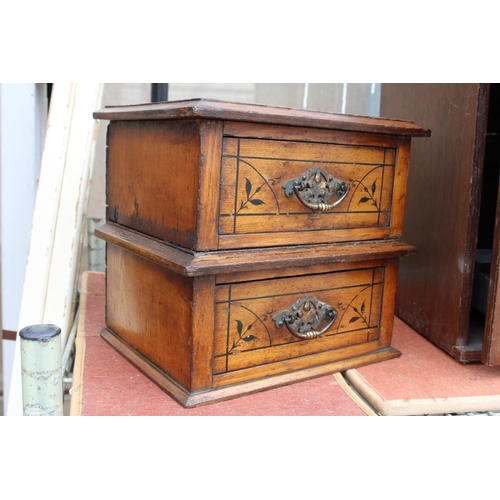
268 321
214 337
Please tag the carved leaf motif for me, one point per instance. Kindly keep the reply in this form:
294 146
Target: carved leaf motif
256 202
374 187
364 199
248 187
353 319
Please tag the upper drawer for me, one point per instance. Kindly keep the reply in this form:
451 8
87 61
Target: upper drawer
296 186
277 192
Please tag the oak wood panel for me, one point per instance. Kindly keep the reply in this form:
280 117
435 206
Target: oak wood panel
149 307
203 306
237 241
214 109
314 222
291 352
302 134
252 380
289 365
442 206
255 148
294 271
153 178
209 175
399 188
304 284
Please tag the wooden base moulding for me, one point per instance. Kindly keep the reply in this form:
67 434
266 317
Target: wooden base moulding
190 400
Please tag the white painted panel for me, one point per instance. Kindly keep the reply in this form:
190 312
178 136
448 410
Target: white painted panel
8 348
47 205
58 223
23 115
20 162
69 231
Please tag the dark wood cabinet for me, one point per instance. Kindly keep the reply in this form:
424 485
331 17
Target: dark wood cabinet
449 291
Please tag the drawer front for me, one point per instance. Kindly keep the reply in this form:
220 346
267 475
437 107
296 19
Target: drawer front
294 188
256 323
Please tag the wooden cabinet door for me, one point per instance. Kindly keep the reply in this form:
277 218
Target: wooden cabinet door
442 213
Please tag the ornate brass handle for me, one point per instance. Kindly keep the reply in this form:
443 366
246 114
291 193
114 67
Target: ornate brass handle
316 188
304 317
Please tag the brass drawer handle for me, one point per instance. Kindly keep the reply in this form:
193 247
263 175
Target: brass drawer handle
316 188
304 317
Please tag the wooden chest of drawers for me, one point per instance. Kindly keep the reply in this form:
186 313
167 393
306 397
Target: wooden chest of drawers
250 246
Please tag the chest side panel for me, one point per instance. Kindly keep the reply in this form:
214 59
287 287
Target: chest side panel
153 177
150 308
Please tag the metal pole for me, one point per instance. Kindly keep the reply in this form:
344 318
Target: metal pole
159 92
41 370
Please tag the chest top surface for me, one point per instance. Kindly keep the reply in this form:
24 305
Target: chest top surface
259 113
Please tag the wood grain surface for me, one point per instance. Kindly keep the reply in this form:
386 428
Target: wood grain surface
181 182
214 109
208 240
153 178
200 336
254 174
149 307
442 207
223 262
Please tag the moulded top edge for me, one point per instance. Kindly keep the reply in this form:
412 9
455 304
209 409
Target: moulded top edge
259 113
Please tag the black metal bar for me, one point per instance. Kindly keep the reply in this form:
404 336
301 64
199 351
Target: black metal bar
159 92
49 93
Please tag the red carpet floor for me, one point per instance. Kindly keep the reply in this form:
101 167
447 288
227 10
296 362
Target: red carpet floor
106 384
